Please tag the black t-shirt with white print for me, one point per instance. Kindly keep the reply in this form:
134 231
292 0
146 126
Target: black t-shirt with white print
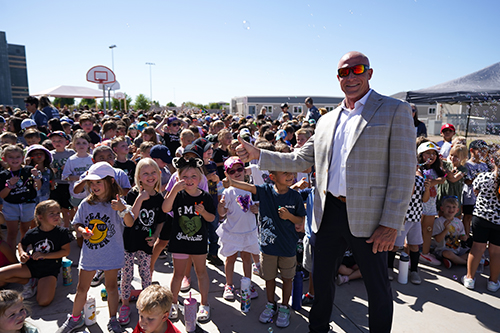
150 215
189 230
172 141
25 191
47 242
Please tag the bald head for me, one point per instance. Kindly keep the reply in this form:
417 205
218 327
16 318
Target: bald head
354 54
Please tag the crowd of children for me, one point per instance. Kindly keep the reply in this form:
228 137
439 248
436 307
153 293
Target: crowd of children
129 185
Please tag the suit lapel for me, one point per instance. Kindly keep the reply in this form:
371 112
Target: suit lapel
373 102
328 139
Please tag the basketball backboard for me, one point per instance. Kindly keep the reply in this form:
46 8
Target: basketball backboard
101 74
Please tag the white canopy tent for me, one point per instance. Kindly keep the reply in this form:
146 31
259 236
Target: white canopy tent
70 92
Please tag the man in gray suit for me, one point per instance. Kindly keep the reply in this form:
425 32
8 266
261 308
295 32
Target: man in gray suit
364 153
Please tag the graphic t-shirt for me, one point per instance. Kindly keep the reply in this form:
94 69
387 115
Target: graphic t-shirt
25 191
172 141
277 237
47 242
240 220
487 204
76 166
59 160
104 250
189 230
452 238
149 217
128 167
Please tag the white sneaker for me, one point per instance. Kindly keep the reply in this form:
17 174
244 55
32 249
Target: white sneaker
29 289
468 283
429 259
493 286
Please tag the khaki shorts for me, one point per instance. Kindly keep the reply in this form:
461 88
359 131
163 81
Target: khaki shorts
269 266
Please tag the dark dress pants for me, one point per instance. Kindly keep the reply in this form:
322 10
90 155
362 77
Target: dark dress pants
329 245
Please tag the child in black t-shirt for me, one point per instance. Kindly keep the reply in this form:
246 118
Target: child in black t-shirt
192 208
146 200
50 243
19 192
121 149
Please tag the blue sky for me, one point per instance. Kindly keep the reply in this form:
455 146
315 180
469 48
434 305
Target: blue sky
204 52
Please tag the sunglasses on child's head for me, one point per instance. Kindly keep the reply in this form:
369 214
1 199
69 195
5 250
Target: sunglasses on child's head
233 171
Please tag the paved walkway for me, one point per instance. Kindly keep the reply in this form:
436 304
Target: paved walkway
440 304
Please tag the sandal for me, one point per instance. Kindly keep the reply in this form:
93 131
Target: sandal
174 312
203 313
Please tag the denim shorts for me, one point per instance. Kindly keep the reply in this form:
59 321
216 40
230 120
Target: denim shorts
19 212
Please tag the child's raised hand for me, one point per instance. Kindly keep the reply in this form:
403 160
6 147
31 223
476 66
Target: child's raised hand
302 184
223 201
213 177
179 185
87 233
13 180
35 171
144 195
117 204
199 208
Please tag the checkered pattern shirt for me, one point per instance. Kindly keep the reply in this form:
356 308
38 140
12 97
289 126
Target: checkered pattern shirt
414 212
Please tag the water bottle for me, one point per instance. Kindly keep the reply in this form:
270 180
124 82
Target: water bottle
404 263
67 278
190 313
89 311
246 301
104 293
270 330
480 268
297 291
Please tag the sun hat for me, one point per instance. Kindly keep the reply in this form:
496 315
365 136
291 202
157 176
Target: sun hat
427 146
31 148
161 152
231 161
27 123
98 171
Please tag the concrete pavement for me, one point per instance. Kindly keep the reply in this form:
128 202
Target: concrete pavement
439 304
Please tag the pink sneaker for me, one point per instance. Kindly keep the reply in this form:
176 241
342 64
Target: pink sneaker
429 259
186 284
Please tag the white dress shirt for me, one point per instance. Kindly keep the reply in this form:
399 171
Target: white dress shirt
342 141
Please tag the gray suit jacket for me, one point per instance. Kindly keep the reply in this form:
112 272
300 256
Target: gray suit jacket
380 166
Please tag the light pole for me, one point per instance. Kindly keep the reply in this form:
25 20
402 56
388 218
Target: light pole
112 57
150 80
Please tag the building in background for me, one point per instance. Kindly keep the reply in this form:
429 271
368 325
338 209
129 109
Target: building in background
13 73
251 105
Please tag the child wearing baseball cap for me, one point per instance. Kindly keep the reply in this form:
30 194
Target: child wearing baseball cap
447 133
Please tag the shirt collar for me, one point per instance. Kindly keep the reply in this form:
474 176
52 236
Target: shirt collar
362 101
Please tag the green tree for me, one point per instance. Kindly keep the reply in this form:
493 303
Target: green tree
214 106
194 105
120 104
60 102
87 101
142 102
171 105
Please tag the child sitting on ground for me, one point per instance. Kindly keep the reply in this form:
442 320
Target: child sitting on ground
281 213
153 306
448 231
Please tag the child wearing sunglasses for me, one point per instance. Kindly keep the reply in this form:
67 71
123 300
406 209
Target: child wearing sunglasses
238 233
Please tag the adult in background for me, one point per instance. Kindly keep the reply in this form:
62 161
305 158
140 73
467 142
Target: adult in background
312 111
419 126
364 154
39 117
48 109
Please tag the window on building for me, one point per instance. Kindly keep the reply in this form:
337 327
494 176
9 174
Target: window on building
431 110
297 109
329 108
269 109
251 109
